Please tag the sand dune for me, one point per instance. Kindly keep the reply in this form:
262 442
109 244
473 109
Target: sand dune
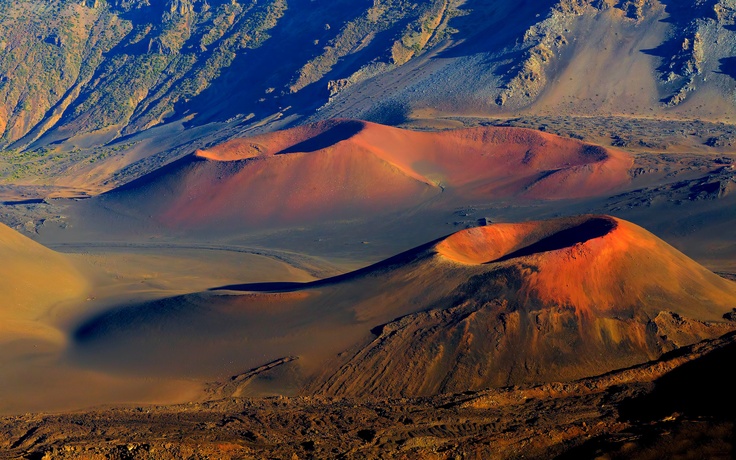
489 306
44 287
33 279
342 169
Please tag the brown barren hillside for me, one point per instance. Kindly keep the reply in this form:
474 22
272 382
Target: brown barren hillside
551 300
344 168
660 409
490 306
33 279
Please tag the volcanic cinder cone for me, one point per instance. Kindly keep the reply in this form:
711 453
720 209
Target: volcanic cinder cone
343 168
545 301
489 306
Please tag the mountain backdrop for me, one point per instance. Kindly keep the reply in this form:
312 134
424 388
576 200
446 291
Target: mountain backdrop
83 83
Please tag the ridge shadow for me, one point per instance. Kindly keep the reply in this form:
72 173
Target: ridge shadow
335 134
588 230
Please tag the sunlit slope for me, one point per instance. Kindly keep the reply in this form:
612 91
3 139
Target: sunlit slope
342 168
32 280
489 306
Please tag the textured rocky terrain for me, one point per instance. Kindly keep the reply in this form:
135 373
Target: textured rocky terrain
675 406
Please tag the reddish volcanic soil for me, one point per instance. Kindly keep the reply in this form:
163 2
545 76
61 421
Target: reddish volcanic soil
485 307
600 264
342 168
558 299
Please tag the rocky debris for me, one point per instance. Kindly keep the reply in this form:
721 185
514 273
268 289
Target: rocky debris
180 7
713 190
234 387
633 9
725 12
335 86
90 3
537 421
686 64
544 41
420 27
685 57
676 331
687 179
702 40
717 141
618 140
157 46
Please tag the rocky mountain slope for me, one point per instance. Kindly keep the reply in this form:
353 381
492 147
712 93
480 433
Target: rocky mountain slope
78 75
123 66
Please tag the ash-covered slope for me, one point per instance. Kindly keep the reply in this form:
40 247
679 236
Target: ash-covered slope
345 169
673 58
490 306
545 301
33 279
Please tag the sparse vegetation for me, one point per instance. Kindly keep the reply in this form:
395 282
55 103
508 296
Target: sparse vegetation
25 165
103 64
